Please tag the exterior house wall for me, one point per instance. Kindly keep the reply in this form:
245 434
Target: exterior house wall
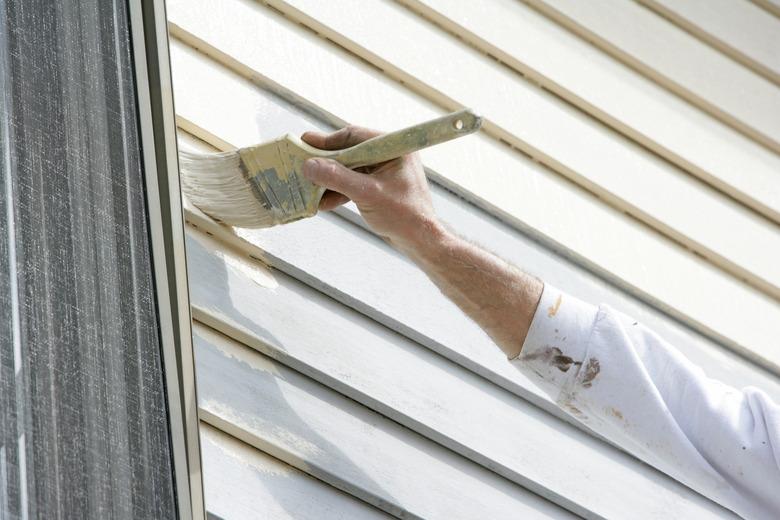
335 380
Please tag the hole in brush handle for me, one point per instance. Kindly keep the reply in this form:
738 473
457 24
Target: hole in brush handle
465 121
395 144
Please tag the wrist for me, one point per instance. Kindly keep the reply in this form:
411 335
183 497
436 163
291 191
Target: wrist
426 242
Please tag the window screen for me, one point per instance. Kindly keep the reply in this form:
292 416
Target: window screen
83 422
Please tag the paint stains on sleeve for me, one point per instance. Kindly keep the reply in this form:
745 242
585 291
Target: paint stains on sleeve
552 310
554 357
592 369
563 363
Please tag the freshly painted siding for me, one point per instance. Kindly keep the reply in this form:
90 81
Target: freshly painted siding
244 483
677 60
738 28
320 347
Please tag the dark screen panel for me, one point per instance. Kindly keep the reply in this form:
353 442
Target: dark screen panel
84 431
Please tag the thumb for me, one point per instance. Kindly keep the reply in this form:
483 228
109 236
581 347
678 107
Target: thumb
334 176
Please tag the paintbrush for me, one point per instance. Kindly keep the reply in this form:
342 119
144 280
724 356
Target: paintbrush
263 185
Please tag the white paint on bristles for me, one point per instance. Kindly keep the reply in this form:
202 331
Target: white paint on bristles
217 185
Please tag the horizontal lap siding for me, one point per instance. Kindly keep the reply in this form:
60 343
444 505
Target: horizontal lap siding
547 128
737 28
416 388
329 436
359 280
678 61
770 6
355 285
483 170
569 66
411 411
243 483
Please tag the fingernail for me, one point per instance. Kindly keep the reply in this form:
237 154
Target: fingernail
310 167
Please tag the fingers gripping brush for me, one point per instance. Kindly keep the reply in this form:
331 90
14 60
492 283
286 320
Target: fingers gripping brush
263 185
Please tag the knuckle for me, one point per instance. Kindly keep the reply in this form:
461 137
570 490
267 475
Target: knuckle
340 138
349 133
374 190
329 170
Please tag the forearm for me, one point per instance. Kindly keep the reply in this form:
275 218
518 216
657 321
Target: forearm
499 297
395 202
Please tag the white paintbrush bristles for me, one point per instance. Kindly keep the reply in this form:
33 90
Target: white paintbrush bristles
217 184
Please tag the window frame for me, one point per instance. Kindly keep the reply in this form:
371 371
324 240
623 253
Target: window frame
157 129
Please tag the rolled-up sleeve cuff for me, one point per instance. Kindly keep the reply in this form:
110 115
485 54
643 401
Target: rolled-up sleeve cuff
557 341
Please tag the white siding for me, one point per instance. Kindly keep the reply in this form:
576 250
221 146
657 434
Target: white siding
678 61
320 346
636 106
244 483
737 28
551 131
485 170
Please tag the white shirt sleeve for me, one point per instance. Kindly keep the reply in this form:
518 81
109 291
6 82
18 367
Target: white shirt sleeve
629 385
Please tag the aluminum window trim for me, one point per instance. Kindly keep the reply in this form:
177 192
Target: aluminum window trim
157 129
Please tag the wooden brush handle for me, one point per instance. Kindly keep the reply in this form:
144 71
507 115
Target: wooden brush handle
395 144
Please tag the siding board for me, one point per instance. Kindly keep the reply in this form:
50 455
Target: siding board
737 28
344 444
771 6
633 180
676 60
625 251
243 483
537 47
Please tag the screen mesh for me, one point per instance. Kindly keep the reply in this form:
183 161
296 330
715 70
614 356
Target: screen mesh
83 422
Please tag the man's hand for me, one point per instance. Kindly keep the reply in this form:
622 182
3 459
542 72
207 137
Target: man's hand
394 199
